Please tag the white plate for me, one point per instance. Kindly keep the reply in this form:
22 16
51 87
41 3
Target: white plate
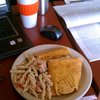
85 81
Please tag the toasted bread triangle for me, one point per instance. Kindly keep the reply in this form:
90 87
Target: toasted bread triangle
65 74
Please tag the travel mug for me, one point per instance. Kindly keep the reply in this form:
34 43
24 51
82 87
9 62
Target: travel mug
43 6
28 10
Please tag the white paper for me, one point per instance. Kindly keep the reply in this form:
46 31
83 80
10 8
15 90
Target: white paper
83 21
2 2
91 97
76 14
88 38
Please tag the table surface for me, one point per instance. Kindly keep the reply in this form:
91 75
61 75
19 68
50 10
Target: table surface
6 87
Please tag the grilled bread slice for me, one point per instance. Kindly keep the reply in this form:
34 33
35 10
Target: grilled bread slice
65 74
53 53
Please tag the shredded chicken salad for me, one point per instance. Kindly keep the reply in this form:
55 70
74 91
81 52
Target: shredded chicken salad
32 77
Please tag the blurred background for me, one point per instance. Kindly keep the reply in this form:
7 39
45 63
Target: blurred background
13 2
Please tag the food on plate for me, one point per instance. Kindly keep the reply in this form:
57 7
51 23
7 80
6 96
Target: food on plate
65 74
53 53
31 76
47 73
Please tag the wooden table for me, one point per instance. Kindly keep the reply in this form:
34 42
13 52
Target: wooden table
6 88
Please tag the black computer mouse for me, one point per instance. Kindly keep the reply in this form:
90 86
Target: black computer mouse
51 32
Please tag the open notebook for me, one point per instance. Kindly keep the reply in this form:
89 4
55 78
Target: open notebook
12 38
83 21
